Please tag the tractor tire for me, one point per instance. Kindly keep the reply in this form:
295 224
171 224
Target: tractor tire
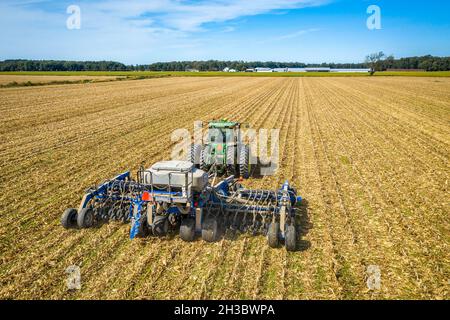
290 238
273 235
244 162
203 155
194 155
210 230
160 226
69 218
187 230
231 163
143 230
85 218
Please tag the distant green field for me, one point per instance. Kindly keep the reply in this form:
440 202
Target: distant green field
151 74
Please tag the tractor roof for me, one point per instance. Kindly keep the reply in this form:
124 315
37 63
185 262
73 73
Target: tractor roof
223 124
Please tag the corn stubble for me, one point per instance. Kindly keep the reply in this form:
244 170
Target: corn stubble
369 155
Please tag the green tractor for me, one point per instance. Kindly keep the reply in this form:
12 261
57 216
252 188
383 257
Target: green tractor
224 152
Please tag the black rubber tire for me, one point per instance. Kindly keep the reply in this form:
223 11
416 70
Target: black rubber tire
160 226
231 161
69 218
273 235
244 162
210 230
187 230
85 218
104 213
203 165
143 230
290 241
194 155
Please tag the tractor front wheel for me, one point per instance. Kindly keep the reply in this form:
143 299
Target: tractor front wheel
69 218
187 230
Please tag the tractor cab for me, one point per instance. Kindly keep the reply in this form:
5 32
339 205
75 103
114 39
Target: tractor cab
222 136
223 152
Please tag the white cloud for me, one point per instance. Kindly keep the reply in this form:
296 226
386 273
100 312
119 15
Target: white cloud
128 31
297 34
188 16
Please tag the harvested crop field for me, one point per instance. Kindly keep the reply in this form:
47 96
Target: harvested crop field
370 156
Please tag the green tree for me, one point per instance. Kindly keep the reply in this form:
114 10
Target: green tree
374 61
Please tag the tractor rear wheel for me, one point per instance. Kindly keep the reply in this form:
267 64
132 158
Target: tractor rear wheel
203 159
69 218
195 155
187 230
244 162
160 226
231 163
85 218
273 235
290 238
210 230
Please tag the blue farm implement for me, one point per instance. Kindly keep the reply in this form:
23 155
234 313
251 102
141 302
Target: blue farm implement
175 195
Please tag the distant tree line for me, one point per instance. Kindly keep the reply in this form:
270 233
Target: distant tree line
52 65
428 63
216 65
378 62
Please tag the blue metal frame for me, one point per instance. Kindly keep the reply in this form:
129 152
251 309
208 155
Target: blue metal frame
101 190
285 196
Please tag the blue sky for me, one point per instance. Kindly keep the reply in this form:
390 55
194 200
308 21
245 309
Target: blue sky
138 32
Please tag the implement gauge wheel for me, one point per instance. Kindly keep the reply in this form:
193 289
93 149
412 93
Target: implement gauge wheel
210 230
160 226
143 230
273 235
187 230
291 238
69 218
85 218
